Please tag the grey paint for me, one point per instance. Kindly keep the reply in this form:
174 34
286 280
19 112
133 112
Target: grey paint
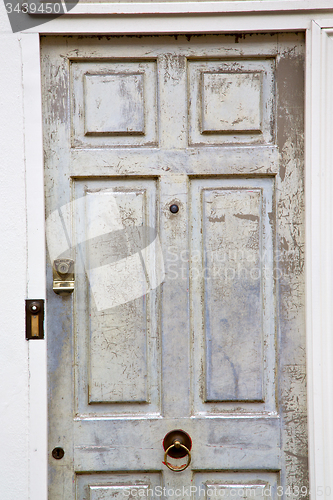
253 435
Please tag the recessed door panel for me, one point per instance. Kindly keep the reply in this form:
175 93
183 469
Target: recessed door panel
113 103
116 486
115 224
239 322
233 315
254 484
231 101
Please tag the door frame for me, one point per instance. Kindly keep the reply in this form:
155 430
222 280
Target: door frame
318 192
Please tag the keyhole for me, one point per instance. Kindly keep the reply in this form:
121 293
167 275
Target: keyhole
58 453
63 268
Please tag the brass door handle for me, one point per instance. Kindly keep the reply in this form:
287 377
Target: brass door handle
176 468
63 276
177 444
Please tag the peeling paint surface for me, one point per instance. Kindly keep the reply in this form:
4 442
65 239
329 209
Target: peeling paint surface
215 126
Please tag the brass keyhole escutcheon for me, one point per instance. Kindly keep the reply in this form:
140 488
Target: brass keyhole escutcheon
177 444
34 311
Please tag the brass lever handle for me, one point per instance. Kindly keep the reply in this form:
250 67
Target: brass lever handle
177 444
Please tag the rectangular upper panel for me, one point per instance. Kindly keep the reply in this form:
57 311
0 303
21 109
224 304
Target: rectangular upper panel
231 101
118 246
233 314
114 103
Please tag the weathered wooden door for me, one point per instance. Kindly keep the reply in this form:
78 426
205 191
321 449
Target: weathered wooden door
174 181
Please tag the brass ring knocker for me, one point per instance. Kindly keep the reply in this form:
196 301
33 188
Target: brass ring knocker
177 444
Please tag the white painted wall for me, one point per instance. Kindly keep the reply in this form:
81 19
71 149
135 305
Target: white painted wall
14 374
23 391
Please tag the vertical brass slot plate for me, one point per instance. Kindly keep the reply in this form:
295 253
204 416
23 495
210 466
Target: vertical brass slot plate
34 319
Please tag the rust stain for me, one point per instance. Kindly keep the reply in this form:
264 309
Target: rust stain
216 219
254 218
271 216
284 243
